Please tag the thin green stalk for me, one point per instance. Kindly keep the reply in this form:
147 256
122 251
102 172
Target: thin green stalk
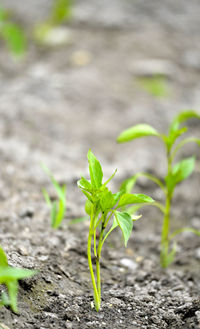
98 273
166 220
154 179
96 295
165 232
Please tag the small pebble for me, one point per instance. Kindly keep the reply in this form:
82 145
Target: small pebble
128 263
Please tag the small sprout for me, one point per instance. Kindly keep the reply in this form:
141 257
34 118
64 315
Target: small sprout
156 86
103 207
176 173
61 12
9 276
58 207
12 34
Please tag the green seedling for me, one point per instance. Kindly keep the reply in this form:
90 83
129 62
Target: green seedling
60 12
9 276
103 206
58 207
156 86
176 173
12 34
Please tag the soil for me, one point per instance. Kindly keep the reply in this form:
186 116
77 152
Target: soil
55 105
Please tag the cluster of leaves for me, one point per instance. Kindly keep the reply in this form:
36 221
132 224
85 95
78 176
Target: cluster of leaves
176 173
12 34
9 276
57 207
102 205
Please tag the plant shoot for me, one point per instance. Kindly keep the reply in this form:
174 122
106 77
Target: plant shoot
103 207
176 173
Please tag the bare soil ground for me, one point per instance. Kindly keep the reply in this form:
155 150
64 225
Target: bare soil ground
56 105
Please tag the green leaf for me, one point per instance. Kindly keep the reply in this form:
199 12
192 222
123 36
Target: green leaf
109 179
9 276
117 196
83 183
183 169
46 197
180 172
134 198
170 140
59 214
3 258
88 207
125 223
61 11
183 116
12 287
13 273
60 190
107 201
140 130
132 209
129 183
53 213
4 300
96 173
156 86
78 220
15 38
88 196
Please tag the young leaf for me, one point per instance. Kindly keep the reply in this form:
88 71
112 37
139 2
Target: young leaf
61 11
128 184
83 183
14 37
88 207
170 140
53 213
107 201
125 223
180 172
78 220
127 199
12 273
140 130
46 197
96 173
183 116
111 177
60 213
9 276
12 287
3 258
183 169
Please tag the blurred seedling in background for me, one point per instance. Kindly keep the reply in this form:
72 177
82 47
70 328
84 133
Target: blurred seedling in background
12 34
175 174
9 276
57 207
103 207
155 85
48 32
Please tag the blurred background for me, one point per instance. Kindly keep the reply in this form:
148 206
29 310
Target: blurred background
74 74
